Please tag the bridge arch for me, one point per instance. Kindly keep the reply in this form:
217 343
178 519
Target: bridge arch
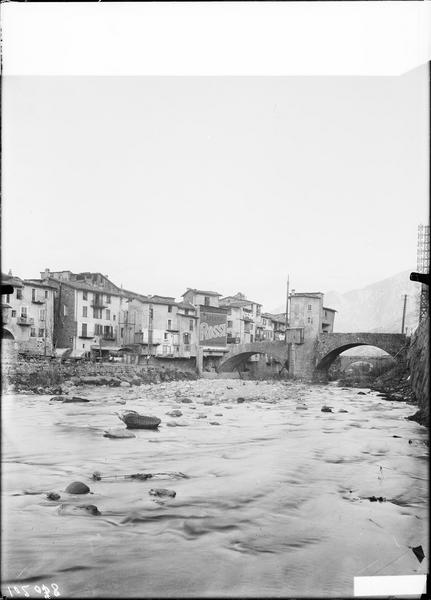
329 347
241 352
6 334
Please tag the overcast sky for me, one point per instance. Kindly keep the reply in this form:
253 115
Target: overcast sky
218 183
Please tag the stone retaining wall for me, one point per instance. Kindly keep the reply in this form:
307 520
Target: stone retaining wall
418 358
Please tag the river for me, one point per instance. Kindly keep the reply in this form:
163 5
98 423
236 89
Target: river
275 501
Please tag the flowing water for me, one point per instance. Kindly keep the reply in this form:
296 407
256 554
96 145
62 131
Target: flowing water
274 502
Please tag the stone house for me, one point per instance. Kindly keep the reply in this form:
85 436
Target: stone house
307 312
244 322
28 315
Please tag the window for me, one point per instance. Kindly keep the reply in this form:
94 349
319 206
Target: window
309 320
169 308
258 308
108 299
84 296
42 314
207 301
97 313
186 337
18 293
108 314
8 298
24 312
326 314
84 330
122 331
229 323
33 294
14 313
33 332
165 336
264 321
113 317
46 293
309 307
186 311
165 349
41 332
84 311
65 310
169 324
191 324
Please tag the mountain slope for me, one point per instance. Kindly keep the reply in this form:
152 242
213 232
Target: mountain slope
377 308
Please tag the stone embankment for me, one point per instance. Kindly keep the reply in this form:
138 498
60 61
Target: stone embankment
45 376
419 371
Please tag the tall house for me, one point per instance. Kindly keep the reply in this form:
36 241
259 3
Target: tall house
158 326
244 320
28 315
211 331
87 310
201 297
307 311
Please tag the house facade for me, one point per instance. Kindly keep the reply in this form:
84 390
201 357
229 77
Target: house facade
307 312
244 319
28 315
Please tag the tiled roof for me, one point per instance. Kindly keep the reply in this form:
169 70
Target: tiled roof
235 299
186 305
204 292
11 280
40 283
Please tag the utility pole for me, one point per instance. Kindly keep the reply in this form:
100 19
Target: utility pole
199 351
287 309
404 313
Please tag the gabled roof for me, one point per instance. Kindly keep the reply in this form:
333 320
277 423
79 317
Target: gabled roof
233 299
186 305
203 292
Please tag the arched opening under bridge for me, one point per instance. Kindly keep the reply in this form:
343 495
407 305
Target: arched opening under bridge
240 362
354 360
6 334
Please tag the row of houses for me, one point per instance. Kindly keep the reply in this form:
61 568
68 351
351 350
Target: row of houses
87 315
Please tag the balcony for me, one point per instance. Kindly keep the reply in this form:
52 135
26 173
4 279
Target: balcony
38 300
98 304
25 321
86 336
108 337
248 317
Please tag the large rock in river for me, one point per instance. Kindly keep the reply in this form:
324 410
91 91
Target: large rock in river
77 487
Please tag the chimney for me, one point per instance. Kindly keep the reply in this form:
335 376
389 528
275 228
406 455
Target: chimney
45 274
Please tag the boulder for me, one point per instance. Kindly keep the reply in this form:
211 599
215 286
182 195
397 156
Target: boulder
208 402
326 409
240 400
125 384
77 487
186 400
214 423
69 399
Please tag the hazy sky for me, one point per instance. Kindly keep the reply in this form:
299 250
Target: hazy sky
217 183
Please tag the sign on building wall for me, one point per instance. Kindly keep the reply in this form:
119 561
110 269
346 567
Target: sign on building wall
213 326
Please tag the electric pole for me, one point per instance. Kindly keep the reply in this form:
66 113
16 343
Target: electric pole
404 313
287 309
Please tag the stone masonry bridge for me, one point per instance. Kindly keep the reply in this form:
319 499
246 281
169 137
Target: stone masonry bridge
312 358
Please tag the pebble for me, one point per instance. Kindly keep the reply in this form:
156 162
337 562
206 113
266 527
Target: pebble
118 433
214 423
160 492
175 413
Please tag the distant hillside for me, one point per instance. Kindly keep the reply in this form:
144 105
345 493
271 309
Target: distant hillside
378 307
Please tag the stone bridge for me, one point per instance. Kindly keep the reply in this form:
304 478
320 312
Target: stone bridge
330 345
312 358
241 352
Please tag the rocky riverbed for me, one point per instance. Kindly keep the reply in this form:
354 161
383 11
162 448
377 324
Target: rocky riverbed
246 488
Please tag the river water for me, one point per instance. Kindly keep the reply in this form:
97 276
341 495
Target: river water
275 501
